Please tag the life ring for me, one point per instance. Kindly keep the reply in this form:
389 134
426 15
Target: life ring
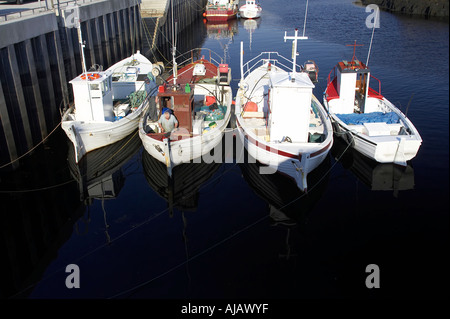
90 76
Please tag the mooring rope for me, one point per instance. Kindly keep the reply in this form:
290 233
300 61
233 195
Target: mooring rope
32 149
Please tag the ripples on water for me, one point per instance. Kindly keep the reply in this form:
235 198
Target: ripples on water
224 237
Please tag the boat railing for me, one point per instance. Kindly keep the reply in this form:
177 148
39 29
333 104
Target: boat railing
331 76
379 85
330 79
196 54
265 57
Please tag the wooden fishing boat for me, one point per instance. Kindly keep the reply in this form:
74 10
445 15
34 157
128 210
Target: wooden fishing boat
199 96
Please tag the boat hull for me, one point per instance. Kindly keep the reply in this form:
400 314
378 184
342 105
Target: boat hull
250 13
397 149
220 15
184 150
295 160
88 136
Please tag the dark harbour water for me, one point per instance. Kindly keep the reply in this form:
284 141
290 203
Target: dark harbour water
223 231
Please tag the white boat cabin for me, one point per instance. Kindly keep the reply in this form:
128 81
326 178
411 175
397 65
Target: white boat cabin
349 92
289 106
93 96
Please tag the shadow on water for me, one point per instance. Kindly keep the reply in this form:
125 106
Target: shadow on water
32 230
287 203
181 191
38 208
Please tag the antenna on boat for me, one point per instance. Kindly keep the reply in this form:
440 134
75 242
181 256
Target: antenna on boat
294 48
242 61
306 13
77 25
354 45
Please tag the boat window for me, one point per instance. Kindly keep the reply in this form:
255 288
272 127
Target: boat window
166 101
95 87
105 87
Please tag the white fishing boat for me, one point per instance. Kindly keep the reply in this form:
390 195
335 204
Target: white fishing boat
366 119
250 10
199 96
107 103
279 120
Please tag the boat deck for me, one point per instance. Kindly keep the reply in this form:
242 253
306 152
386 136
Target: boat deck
257 122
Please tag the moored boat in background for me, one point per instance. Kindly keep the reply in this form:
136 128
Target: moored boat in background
221 10
250 10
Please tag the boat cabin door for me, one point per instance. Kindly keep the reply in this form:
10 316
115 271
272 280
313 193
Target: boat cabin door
361 90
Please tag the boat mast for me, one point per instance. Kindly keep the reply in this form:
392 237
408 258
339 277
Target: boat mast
294 49
294 43
174 48
242 62
80 38
83 57
371 39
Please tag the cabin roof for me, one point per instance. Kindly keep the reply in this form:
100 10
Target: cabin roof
354 66
98 77
302 80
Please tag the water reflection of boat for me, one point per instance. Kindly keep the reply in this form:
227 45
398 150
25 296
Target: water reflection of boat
377 176
251 25
221 29
286 201
99 173
181 191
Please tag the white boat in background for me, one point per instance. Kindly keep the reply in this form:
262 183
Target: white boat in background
107 104
250 10
368 121
279 120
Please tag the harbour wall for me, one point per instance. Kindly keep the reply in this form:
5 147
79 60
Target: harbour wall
158 23
40 53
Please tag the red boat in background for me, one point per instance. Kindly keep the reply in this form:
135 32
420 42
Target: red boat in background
221 10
